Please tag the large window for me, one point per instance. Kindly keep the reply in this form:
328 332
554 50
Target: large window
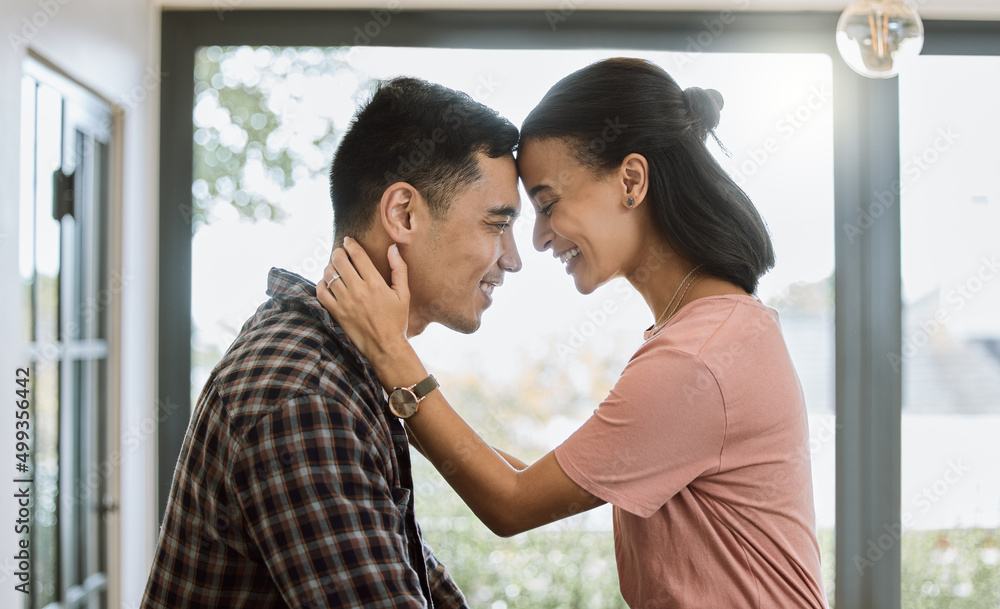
819 182
266 123
950 356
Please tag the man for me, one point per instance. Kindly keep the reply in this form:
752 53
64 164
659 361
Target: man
293 485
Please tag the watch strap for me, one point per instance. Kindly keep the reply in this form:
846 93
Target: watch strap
425 386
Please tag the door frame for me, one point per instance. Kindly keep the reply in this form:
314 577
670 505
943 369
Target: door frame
91 106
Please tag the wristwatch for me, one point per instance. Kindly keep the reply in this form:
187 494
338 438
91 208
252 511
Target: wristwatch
403 401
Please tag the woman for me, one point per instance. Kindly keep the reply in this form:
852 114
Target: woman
702 444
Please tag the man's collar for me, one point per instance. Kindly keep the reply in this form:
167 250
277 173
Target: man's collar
290 287
285 285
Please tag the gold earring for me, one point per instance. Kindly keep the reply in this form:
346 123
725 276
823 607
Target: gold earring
630 202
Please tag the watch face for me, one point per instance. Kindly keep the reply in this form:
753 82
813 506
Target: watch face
402 403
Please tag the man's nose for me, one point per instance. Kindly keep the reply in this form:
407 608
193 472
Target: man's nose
510 260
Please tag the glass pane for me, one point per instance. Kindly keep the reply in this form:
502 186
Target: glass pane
75 506
90 225
79 260
96 311
45 453
47 238
101 468
92 481
26 238
267 121
950 356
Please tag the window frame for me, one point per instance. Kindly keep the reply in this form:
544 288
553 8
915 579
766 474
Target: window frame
868 301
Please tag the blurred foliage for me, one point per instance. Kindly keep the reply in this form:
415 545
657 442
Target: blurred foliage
827 547
265 118
953 569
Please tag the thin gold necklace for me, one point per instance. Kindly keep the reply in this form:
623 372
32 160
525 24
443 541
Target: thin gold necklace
660 321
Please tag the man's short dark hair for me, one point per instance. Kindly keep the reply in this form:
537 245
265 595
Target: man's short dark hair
416 132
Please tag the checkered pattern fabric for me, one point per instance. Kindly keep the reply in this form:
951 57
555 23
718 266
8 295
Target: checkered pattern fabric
287 491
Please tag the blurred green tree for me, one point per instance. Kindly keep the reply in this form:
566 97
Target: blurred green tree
264 118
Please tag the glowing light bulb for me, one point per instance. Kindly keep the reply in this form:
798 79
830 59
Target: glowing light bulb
876 36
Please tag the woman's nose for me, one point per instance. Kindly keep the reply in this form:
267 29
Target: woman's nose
541 235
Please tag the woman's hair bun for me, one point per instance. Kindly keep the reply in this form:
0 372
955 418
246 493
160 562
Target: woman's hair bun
705 105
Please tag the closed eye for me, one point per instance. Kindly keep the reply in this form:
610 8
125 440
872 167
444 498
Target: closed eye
547 210
502 226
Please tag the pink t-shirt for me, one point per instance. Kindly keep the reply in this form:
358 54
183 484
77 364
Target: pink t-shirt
702 447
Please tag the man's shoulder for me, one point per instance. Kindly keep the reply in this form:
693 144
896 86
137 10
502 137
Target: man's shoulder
283 344
284 353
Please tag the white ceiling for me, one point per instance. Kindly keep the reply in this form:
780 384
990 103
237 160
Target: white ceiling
929 9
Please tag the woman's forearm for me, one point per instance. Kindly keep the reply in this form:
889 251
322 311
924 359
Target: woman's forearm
484 479
507 496
512 460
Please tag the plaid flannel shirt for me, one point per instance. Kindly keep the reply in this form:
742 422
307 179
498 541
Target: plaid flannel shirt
287 491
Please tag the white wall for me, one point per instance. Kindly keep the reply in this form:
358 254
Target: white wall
110 46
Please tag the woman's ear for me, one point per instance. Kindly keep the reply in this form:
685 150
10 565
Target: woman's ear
398 211
634 175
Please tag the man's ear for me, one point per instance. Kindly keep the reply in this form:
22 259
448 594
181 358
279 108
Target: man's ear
401 211
634 176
